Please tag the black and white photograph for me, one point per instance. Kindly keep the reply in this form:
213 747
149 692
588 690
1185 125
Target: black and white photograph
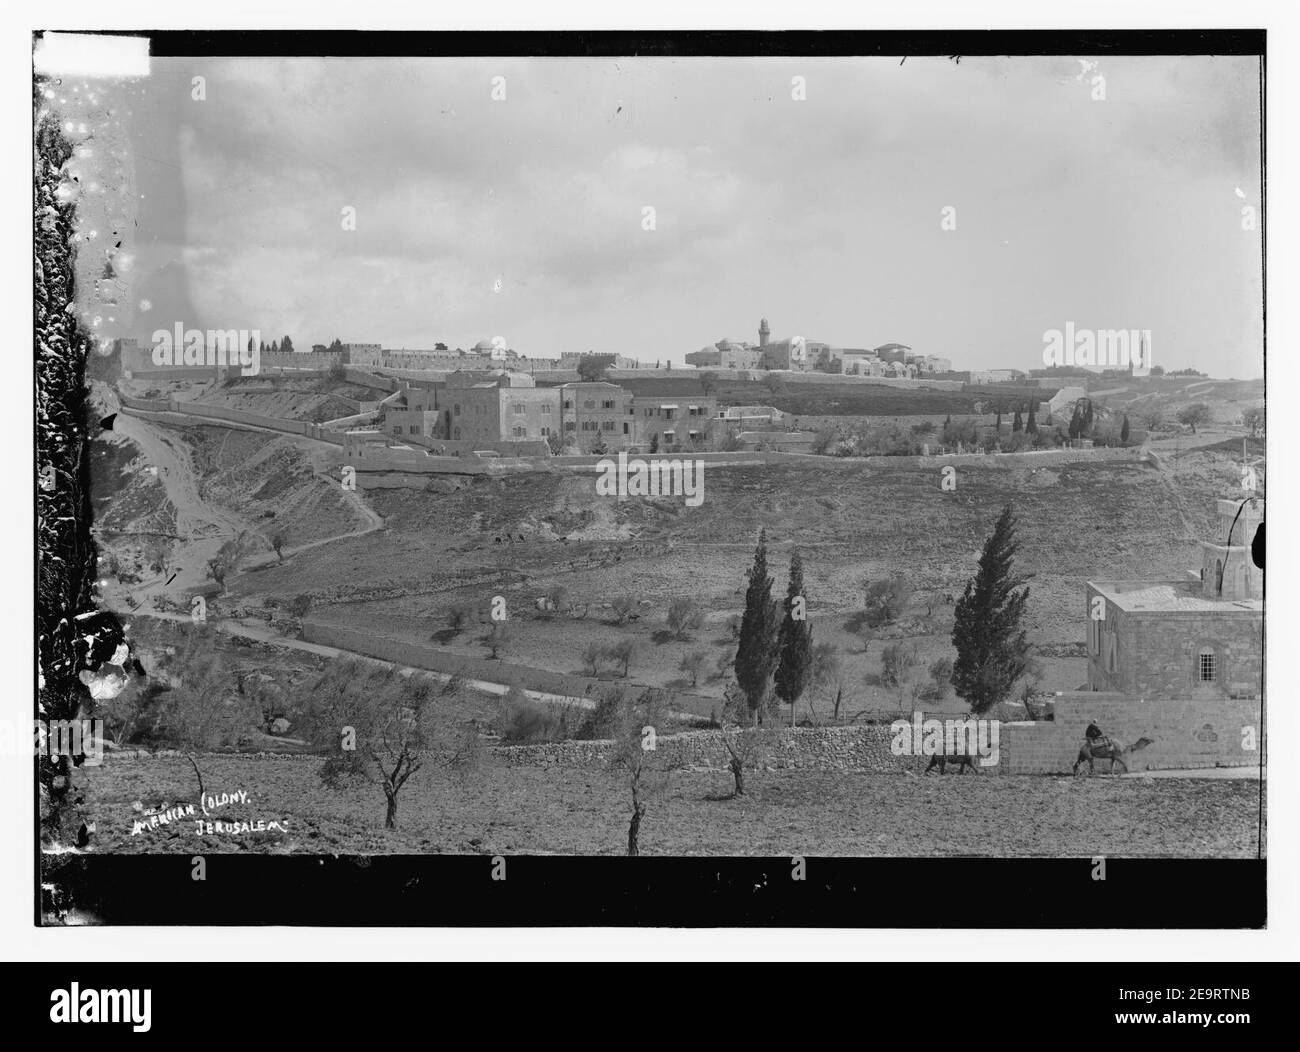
459 456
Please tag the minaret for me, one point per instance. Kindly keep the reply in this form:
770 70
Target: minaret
764 332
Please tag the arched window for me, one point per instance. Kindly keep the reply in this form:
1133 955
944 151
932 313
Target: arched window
1207 663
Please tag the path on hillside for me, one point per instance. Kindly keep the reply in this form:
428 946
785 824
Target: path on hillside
202 526
261 634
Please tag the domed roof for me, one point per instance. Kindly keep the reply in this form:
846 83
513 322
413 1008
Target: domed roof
483 345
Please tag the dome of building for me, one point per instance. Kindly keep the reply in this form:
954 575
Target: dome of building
483 346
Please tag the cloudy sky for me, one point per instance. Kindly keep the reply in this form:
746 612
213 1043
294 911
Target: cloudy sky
523 218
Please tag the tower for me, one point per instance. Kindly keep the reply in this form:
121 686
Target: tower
764 332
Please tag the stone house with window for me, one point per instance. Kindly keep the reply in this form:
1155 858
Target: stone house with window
507 407
1199 638
591 409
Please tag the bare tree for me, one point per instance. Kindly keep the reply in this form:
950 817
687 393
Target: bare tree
378 726
745 747
635 757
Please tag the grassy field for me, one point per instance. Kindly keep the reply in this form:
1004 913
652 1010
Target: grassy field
562 811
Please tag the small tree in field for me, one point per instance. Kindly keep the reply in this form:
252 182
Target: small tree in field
898 666
941 676
622 653
1253 418
378 726
1194 415
459 617
622 608
745 748
635 759
828 676
1124 432
684 617
496 637
991 645
692 664
201 711
592 656
277 545
885 599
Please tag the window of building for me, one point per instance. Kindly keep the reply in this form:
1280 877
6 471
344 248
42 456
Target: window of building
546 432
520 432
518 407
1206 666
569 425
397 429
456 434
456 409
589 425
1094 636
608 425
625 431
608 404
414 430
546 408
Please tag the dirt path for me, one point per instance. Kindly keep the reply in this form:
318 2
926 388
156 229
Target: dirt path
261 634
202 527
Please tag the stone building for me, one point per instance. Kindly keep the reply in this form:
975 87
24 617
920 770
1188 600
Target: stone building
509 407
1196 638
588 410
419 415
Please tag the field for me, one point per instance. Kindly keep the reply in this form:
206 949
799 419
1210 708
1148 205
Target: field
559 811
849 523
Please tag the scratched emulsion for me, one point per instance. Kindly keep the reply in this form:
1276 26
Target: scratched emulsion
83 228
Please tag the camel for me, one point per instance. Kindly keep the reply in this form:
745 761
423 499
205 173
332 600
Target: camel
1106 749
961 760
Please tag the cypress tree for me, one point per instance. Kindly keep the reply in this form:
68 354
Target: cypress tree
1031 425
991 646
756 653
795 649
1123 431
1016 423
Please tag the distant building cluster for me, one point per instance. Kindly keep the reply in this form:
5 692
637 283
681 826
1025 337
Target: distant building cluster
801 354
488 409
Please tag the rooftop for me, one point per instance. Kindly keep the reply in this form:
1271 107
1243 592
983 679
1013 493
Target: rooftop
1169 597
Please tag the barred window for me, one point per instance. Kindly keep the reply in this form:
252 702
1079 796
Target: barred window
1205 666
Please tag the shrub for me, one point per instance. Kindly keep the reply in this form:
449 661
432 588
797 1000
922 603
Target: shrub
623 608
523 721
684 616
